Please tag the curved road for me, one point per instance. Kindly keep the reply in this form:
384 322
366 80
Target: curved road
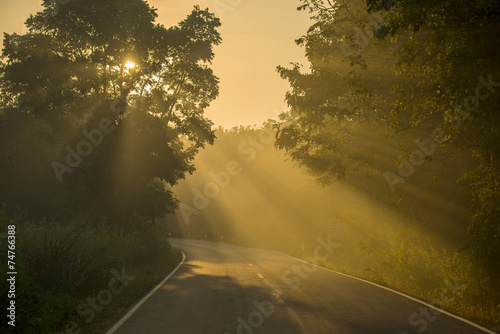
225 289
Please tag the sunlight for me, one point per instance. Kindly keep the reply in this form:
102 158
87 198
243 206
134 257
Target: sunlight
129 64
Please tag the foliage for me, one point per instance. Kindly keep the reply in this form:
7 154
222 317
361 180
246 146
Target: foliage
484 230
69 73
340 92
60 266
449 66
444 64
410 264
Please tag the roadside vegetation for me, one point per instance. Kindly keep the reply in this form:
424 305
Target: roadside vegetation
101 114
73 277
428 71
106 152
417 244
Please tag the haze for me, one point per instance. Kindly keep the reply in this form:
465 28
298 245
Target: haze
257 36
198 172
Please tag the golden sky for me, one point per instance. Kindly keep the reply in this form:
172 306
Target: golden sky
257 36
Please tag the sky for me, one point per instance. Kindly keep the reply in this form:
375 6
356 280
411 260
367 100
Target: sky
258 35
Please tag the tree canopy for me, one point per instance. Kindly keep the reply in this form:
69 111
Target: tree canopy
103 109
450 68
347 85
430 65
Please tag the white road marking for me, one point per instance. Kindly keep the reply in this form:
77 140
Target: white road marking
143 300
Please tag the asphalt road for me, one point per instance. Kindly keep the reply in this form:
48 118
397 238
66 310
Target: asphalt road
229 289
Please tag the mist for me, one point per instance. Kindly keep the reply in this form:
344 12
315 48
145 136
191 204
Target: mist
265 200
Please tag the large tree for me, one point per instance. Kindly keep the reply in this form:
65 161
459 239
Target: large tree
347 86
450 71
104 73
444 58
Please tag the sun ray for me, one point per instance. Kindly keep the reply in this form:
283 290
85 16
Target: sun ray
129 65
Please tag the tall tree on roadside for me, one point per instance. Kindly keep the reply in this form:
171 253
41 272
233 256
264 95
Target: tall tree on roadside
82 63
445 60
450 71
347 85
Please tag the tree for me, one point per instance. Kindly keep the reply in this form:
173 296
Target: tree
106 74
347 86
444 58
450 71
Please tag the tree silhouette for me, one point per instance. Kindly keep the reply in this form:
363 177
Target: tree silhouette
446 63
346 86
104 108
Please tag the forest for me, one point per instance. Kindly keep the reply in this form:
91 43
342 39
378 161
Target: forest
389 145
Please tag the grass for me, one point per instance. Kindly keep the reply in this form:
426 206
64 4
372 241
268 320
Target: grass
450 282
66 281
147 276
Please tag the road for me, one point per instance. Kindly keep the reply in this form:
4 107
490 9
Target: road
226 289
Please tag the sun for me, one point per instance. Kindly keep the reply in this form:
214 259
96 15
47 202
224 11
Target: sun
129 65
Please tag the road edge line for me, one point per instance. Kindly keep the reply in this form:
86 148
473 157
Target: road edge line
467 321
144 299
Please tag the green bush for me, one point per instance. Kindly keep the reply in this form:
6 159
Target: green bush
60 265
